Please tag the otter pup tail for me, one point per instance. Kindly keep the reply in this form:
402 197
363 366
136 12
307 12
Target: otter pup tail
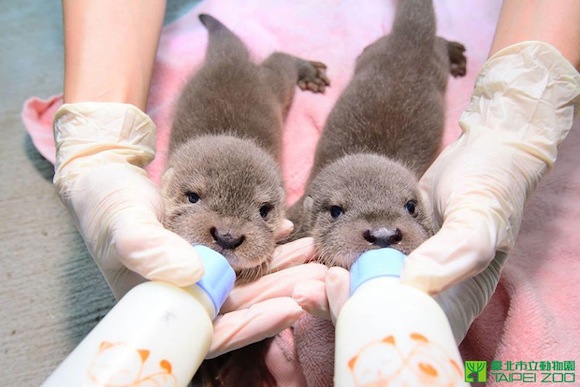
210 22
415 22
223 44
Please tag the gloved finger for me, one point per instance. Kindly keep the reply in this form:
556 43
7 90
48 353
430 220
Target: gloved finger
337 290
285 229
264 319
311 296
324 299
140 241
293 253
463 247
279 284
158 254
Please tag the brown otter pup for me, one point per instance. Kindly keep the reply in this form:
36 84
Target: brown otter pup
383 133
223 187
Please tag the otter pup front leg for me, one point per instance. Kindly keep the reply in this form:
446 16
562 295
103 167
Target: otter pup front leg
457 59
312 76
283 72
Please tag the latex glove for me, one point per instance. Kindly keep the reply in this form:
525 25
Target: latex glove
264 308
521 110
101 151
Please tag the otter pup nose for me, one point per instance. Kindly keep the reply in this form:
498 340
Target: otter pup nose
227 239
383 237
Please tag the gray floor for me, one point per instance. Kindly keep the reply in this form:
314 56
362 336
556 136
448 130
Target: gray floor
51 292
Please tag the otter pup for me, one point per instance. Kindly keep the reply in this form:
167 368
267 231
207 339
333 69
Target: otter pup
381 136
383 133
222 187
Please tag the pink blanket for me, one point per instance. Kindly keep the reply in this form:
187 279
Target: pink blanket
533 317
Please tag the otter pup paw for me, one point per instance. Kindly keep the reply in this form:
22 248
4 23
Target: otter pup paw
312 76
457 61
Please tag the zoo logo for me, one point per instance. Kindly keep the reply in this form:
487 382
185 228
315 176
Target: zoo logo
475 371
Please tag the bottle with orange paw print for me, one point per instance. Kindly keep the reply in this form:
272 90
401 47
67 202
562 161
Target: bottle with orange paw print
389 334
156 335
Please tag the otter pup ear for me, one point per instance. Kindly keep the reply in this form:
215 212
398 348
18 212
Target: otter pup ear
308 215
307 204
165 180
284 230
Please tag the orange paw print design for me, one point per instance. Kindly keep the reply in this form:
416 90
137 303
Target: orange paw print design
382 363
120 365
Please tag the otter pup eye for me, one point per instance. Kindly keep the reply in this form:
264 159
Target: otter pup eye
410 207
193 197
265 210
336 211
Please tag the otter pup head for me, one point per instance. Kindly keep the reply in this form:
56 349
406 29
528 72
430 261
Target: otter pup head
363 202
226 193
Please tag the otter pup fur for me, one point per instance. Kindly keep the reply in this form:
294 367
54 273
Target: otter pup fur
381 136
223 186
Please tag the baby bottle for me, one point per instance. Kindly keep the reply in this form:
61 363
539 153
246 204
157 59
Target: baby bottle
390 334
157 334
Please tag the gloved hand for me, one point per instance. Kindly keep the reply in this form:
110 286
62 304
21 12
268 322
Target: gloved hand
521 110
264 308
101 151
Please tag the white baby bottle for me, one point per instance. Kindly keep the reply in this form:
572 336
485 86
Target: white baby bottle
390 334
157 334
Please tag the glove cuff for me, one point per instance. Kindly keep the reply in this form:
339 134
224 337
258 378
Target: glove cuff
526 92
88 130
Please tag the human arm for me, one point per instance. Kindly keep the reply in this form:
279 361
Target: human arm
104 140
522 108
540 20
